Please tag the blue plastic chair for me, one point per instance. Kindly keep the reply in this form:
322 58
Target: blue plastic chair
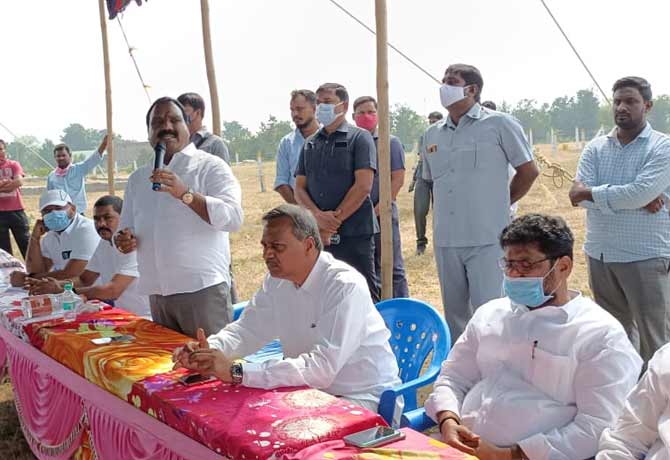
416 330
269 351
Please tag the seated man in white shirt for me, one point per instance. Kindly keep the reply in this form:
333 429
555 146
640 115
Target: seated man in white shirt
110 275
540 373
320 308
642 428
68 244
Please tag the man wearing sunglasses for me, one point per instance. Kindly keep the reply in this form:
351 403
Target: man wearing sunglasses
541 372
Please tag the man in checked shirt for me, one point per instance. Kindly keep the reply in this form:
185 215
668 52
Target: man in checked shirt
622 181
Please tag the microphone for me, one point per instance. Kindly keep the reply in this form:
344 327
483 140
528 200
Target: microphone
159 150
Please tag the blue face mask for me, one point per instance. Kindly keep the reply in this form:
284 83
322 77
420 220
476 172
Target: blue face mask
326 115
57 221
527 291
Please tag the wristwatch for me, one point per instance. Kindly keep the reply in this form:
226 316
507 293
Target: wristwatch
187 197
236 371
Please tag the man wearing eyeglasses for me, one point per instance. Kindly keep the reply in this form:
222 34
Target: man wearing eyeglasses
540 373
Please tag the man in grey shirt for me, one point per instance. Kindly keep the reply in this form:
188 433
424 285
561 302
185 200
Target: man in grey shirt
194 105
467 156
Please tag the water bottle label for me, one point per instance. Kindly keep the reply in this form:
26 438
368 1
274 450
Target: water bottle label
68 306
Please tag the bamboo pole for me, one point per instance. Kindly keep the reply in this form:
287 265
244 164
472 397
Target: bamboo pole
108 98
384 150
211 73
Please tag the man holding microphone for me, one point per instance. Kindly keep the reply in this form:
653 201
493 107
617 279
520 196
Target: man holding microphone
180 231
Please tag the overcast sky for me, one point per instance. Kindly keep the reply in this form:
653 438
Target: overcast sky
52 54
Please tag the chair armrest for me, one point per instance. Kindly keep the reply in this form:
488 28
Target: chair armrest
417 420
408 391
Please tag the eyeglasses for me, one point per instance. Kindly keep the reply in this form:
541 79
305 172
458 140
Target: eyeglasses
521 266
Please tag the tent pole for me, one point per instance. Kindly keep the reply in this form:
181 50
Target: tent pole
384 151
108 98
211 74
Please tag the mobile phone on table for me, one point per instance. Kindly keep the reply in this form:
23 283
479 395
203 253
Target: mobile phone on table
116 338
374 437
195 379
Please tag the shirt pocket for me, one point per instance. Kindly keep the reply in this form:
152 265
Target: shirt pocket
554 375
462 157
339 161
489 156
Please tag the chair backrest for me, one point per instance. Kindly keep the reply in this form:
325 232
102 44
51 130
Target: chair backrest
238 308
416 330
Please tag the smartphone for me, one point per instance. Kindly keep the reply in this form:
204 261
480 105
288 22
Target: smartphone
195 379
374 437
116 338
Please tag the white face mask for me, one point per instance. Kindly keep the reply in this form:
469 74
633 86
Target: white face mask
449 95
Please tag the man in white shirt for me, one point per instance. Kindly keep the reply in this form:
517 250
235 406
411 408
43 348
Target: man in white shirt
181 230
110 275
332 336
538 374
62 242
642 428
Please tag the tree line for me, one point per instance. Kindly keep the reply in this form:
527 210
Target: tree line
583 111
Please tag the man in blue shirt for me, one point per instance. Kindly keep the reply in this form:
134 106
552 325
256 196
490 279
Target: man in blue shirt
623 180
71 177
334 178
303 107
365 116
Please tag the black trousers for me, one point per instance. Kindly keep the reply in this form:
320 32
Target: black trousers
359 252
17 222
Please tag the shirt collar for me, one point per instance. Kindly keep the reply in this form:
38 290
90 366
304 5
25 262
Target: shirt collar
567 311
645 133
475 113
311 284
343 128
189 150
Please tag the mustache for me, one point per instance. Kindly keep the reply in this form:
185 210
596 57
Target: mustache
167 132
100 230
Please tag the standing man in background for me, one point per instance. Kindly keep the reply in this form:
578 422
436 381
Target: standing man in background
194 105
623 180
12 215
334 178
303 108
423 195
467 155
365 116
180 232
71 177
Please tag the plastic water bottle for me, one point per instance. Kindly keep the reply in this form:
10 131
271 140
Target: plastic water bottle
69 301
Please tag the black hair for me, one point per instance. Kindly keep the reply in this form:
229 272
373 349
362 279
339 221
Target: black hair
551 234
163 100
490 105
363 100
437 115
194 100
62 147
304 223
308 94
110 200
638 83
470 74
340 91
2 141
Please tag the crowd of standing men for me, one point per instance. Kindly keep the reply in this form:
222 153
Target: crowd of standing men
168 242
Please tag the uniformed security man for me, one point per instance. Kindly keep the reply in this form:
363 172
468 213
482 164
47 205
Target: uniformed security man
333 180
467 156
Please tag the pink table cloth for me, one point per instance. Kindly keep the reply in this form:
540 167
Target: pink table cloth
415 446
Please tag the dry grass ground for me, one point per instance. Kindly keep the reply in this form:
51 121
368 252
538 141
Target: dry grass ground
249 269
